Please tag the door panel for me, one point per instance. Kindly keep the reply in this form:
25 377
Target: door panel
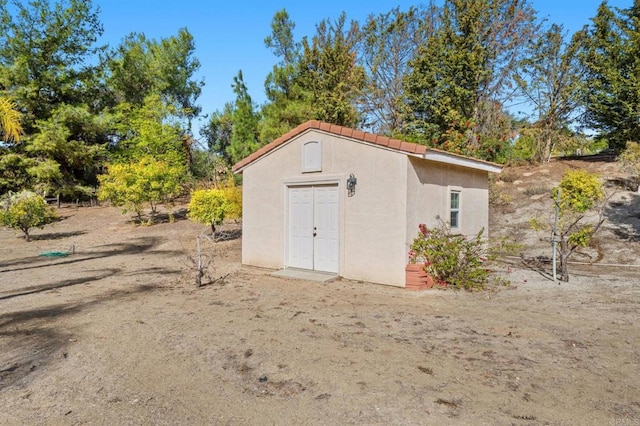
301 227
326 243
313 228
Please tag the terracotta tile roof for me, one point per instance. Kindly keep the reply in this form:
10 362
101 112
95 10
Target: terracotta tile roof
391 143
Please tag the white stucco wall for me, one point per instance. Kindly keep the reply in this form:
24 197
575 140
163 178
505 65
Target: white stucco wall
428 187
372 221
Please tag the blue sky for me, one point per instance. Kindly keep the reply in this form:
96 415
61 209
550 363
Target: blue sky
229 34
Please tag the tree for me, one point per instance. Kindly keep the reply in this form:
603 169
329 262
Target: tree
244 132
149 130
581 193
130 185
550 80
289 102
217 132
330 72
44 55
142 67
47 52
24 211
463 75
212 206
318 79
10 127
388 43
612 63
69 149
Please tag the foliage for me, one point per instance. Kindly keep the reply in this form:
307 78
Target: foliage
10 127
581 194
234 197
461 77
244 132
451 258
208 168
612 65
217 132
81 104
69 149
45 49
131 185
581 191
26 210
142 67
388 42
212 206
315 79
148 131
14 170
551 79
289 103
328 69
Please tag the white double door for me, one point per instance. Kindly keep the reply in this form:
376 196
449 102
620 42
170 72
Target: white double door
313 238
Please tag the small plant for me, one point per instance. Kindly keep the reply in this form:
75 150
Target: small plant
451 259
536 189
213 206
508 176
497 197
26 210
581 196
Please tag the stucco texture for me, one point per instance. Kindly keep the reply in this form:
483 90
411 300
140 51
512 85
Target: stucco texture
394 193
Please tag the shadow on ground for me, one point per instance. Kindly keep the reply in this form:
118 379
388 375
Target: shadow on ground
133 247
624 213
32 339
60 284
56 235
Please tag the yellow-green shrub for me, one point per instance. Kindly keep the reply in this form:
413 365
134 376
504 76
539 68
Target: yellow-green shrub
26 210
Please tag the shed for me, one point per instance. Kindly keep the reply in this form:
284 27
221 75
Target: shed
334 199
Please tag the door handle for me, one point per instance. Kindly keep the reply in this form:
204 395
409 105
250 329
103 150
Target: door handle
314 231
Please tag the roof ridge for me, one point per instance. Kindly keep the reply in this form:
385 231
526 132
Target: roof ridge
385 141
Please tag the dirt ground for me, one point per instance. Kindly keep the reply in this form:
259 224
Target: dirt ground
116 333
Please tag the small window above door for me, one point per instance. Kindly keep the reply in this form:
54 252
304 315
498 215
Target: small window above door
312 157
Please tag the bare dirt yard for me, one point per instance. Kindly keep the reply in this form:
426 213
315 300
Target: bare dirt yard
117 333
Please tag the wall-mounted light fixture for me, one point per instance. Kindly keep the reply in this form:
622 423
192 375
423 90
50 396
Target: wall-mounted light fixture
351 185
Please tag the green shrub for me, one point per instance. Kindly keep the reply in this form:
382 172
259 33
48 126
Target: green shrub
451 259
26 210
212 206
130 185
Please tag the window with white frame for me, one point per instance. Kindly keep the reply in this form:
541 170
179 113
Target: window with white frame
454 209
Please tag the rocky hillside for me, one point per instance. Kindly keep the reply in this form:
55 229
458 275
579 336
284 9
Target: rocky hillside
522 192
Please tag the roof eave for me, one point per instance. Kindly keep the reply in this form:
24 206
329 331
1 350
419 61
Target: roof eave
456 160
